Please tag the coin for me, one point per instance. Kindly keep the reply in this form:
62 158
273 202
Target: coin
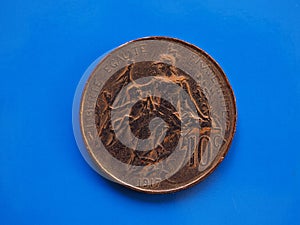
156 114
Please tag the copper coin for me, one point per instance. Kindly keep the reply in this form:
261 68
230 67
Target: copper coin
156 115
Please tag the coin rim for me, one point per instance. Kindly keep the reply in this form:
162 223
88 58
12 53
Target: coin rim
108 175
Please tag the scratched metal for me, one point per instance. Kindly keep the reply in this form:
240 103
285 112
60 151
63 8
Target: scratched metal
157 115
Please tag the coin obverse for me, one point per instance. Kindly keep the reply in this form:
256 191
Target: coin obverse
156 115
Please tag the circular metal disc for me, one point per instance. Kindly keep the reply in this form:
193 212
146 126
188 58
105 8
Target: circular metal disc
156 114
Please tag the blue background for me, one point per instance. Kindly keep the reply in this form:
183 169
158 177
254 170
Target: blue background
45 46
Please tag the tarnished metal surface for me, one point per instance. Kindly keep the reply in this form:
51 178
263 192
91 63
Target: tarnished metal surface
157 115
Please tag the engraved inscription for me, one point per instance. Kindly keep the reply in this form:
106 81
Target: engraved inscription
202 152
149 183
124 56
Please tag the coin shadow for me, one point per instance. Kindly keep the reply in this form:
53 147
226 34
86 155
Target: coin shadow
158 198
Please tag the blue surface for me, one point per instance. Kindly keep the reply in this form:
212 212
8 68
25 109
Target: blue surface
45 46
